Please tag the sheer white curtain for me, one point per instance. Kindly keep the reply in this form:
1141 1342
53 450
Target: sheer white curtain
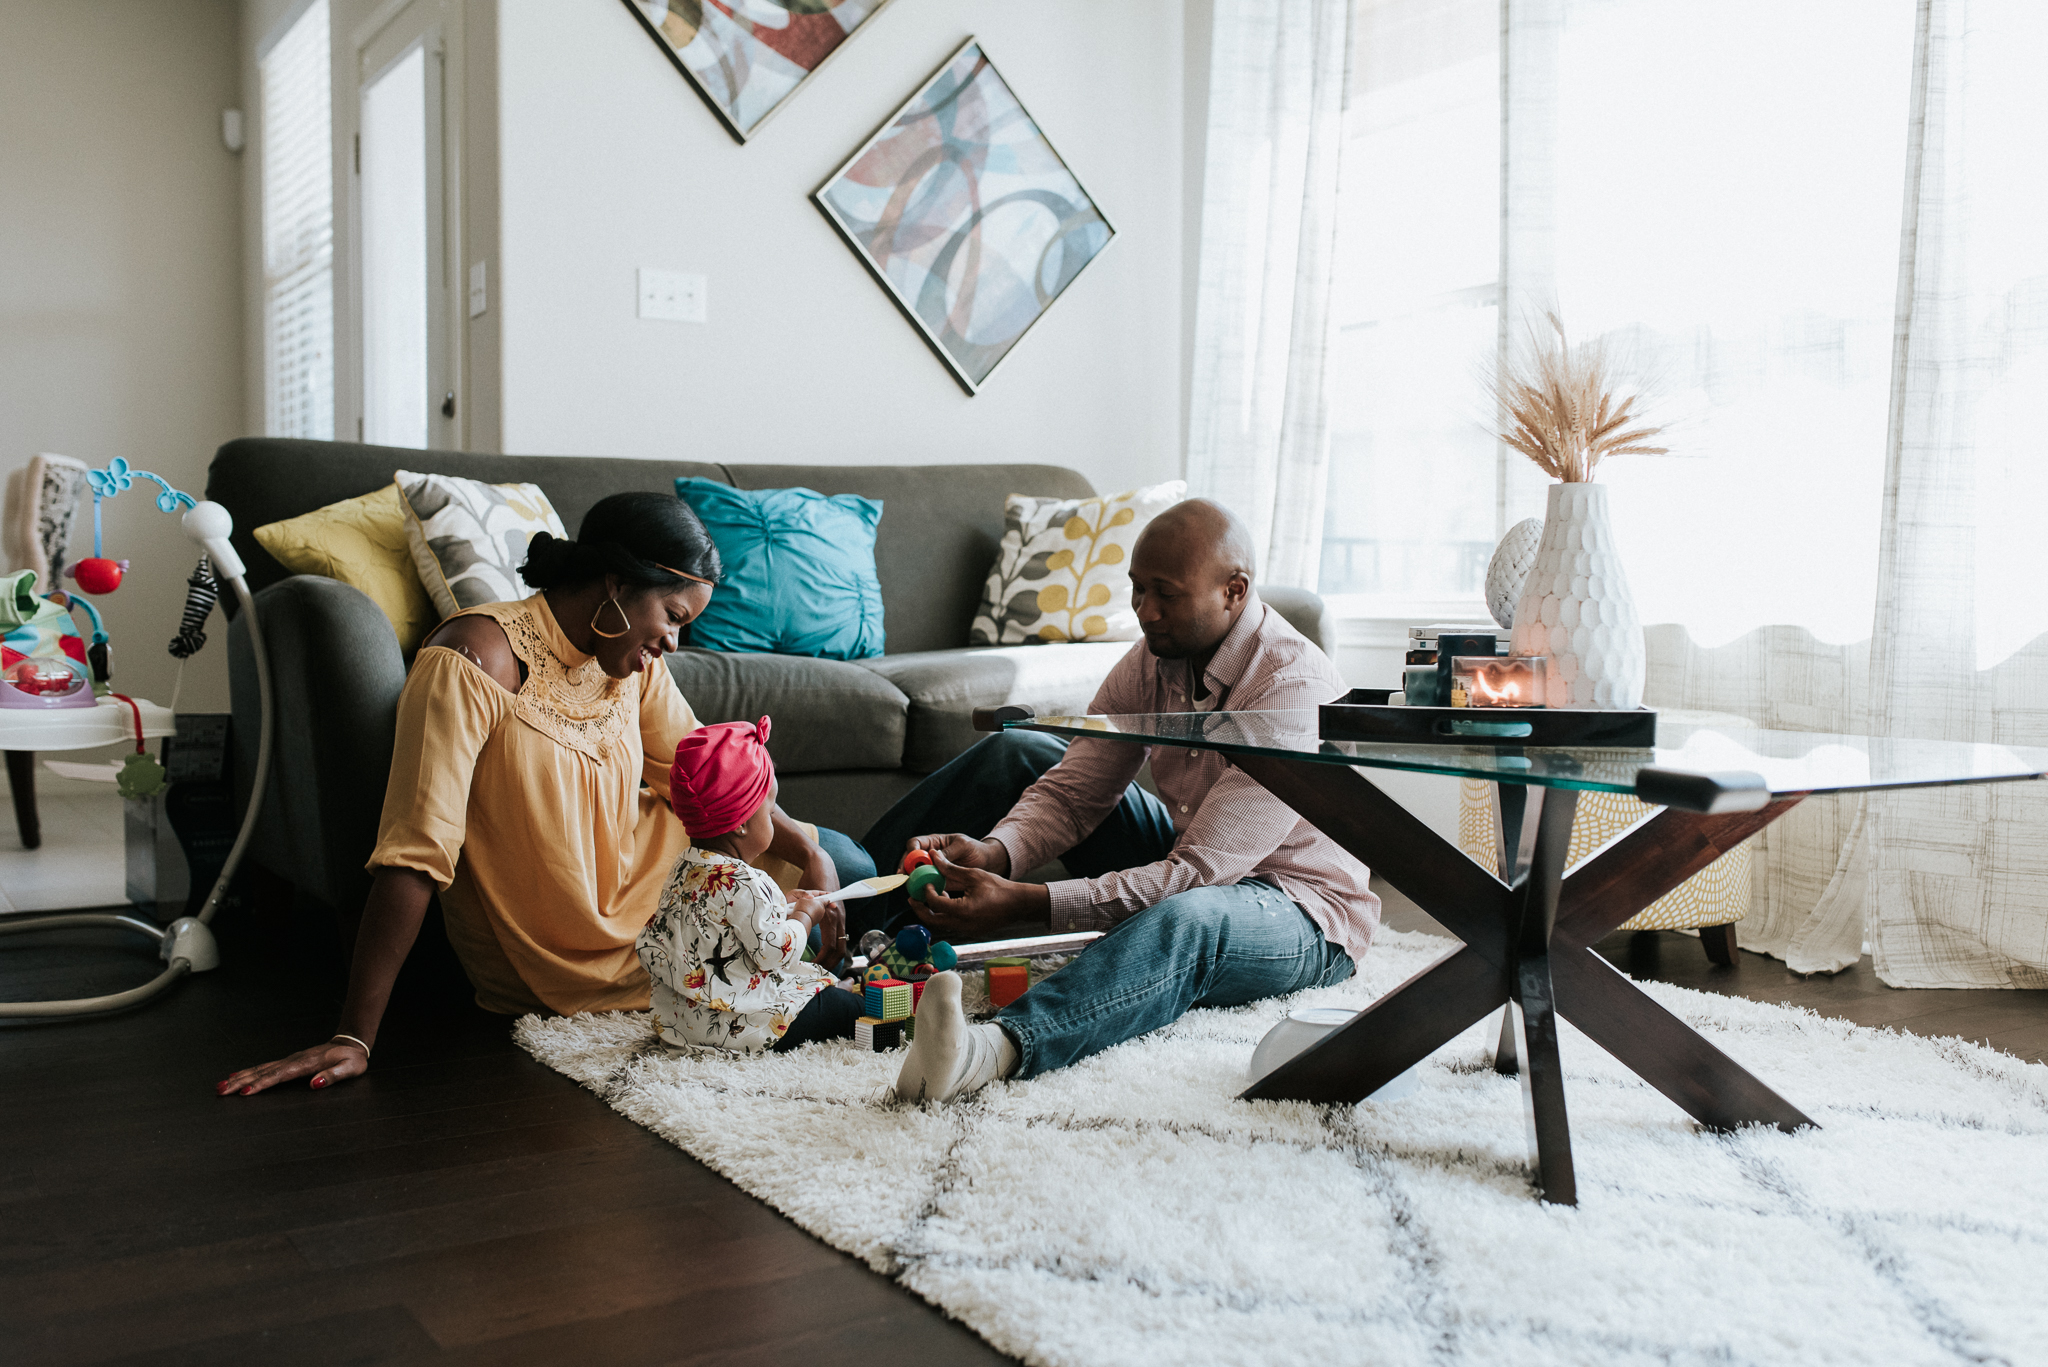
1258 429
1959 890
1846 538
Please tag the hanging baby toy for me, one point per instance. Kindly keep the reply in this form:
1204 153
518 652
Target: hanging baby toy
45 662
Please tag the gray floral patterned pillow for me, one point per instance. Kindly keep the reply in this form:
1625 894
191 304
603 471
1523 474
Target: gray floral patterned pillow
468 539
1062 570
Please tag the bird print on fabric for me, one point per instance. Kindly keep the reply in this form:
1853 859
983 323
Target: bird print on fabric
726 962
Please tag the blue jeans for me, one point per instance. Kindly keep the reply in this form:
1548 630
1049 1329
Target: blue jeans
1216 946
849 860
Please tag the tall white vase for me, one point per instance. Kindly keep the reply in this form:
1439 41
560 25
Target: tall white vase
1576 608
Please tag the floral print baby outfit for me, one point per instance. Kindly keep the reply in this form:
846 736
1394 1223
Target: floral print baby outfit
726 960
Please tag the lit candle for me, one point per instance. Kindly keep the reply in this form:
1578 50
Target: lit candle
1495 682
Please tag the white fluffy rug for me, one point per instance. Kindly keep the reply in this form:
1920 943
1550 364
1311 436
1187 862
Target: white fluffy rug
1131 1210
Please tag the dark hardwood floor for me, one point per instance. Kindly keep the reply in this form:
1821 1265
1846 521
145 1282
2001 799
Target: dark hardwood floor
463 1204
460 1204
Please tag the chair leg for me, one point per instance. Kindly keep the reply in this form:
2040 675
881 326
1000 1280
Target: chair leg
21 784
1719 942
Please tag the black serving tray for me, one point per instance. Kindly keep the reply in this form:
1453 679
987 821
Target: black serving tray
1362 714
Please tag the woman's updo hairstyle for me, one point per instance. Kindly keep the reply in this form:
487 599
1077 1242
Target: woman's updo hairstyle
642 538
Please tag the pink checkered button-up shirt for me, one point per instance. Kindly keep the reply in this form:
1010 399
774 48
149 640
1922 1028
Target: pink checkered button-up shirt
1226 827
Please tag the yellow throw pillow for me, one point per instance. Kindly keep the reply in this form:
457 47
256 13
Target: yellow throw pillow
1062 570
361 542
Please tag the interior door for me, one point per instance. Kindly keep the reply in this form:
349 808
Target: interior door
404 232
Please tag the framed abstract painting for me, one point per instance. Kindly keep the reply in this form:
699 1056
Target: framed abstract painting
746 57
966 215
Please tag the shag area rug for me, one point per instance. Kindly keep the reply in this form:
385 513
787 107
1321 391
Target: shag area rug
1131 1210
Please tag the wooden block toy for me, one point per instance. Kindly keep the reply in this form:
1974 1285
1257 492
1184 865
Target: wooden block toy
913 942
889 999
876 1035
1008 979
915 860
923 878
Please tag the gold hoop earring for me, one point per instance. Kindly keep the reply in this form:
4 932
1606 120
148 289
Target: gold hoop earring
611 635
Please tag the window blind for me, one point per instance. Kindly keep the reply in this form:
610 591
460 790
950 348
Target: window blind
298 230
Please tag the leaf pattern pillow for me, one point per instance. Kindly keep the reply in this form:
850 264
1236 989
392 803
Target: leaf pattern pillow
468 539
1062 572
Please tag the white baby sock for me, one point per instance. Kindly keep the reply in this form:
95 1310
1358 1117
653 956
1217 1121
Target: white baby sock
950 1058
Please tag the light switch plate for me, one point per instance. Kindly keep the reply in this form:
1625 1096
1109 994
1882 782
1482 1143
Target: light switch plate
476 289
673 296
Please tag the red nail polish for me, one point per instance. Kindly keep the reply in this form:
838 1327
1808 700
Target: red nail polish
319 1082
248 1091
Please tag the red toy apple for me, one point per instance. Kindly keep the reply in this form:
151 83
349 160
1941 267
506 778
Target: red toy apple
99 575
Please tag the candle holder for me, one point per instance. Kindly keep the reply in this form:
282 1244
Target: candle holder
1493 681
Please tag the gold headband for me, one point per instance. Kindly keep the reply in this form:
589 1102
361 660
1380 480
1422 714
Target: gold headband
680 575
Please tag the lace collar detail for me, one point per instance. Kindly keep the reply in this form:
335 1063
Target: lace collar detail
566 696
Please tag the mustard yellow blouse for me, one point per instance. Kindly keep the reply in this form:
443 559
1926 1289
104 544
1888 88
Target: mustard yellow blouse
528 813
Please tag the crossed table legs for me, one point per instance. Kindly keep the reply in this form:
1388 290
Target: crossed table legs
1526 947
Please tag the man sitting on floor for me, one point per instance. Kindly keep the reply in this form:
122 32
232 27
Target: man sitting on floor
1217 896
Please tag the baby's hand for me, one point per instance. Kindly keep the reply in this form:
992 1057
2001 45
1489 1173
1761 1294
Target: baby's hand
829 918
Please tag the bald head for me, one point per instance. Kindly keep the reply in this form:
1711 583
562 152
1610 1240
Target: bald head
1191 576
1202 535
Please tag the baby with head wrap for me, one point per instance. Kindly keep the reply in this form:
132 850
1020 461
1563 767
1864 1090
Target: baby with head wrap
725 949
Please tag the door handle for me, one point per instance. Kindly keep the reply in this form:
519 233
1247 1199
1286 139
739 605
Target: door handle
448 405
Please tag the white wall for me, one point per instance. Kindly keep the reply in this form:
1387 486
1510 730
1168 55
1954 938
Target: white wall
120 320
610 161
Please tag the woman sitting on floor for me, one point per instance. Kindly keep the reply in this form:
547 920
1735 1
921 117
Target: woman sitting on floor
525 734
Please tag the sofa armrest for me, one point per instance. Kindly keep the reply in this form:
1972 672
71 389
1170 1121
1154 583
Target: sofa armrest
337 672
1307 613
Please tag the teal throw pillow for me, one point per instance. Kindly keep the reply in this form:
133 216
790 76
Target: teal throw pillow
799 571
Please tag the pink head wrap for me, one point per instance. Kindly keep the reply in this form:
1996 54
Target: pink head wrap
721 776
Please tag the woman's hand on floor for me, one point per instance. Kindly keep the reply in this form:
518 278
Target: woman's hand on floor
329 1063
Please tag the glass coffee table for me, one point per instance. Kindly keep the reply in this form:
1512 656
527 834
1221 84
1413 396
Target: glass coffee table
1527 937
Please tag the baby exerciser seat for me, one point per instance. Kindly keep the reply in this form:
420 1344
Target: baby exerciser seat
45 663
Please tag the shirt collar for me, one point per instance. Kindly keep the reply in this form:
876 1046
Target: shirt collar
1231 659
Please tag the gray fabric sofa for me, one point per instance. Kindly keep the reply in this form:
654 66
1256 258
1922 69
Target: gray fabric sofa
850 737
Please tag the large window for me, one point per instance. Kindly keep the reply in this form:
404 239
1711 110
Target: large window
298 230
1715 190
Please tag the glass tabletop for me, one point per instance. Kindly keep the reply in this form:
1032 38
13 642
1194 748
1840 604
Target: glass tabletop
1788 761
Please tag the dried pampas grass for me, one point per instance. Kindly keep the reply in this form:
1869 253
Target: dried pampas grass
1558 408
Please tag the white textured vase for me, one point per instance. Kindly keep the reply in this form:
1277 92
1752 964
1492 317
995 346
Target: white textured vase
1576 608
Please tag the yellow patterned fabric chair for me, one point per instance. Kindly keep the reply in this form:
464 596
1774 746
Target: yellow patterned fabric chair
1711 901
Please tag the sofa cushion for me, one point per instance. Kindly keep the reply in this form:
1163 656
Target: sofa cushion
799 571
945 686
938 538
828 714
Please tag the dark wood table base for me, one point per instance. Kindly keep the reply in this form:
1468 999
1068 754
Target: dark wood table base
1526 948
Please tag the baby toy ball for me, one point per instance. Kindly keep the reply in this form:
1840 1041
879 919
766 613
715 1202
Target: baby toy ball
916 859
920 972
922 879
99 575
912 941
877 973
872 944
943 957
